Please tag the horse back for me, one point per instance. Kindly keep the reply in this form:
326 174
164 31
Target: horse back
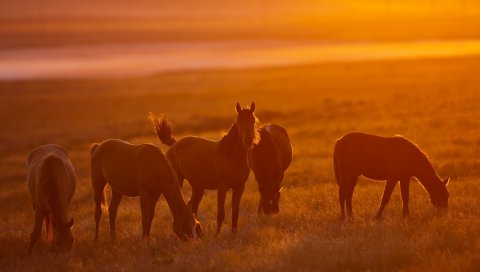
375 157
153 171
273 148
195 159
113 161
50 170
271 156
281 143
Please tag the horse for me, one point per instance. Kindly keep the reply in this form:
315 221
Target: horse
138 170
385 158
269 159
213 165
51 181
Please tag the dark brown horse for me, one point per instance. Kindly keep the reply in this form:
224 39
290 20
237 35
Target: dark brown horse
51 182
384 158
138 170
213 165
269 159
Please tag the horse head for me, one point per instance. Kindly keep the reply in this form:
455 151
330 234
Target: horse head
246 124
440 197
269 201
188 227
62 236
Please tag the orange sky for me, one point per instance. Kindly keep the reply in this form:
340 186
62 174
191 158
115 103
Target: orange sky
33 9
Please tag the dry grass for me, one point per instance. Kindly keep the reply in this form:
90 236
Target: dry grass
434 103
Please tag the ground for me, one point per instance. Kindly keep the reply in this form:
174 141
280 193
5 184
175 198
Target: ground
434 103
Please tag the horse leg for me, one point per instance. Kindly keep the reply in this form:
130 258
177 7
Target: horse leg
112 213
341 200
197 195
236 197
389 186
404 186
147 205
37 229
221 194
349 194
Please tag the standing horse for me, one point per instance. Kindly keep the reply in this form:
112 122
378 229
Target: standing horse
51 181
384 158
138 170
269 159
213 165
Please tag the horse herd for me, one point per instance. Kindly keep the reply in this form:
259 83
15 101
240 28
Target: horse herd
145 171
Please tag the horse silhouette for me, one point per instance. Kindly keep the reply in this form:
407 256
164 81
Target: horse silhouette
384 158
138 170
213 165
268 160
51 181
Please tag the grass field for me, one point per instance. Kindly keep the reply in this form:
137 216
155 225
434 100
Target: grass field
432 102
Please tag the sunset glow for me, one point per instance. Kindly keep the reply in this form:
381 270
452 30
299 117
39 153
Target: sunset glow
228 135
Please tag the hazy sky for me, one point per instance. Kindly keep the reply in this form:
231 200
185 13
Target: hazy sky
223 8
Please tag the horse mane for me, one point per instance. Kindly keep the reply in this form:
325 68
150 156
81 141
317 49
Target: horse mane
51 187
256 130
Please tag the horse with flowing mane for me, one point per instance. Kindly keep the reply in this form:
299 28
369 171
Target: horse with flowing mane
384 158
213 165
269 159
51 181
138 170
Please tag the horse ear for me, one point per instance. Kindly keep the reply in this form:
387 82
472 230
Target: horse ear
70 223
238 108
252 107
446 181
280 190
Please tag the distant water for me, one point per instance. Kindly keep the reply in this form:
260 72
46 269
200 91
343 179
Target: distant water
131 60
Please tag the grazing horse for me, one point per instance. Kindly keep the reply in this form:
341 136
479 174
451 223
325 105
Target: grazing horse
269 159
213 165
138 170
51 181
384 158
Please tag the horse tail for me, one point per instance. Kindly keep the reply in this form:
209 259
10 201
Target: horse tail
47 173
93 147
103 201
103 195
163 128
336 167
52 170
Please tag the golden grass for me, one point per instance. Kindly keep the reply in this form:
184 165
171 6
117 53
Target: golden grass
432 102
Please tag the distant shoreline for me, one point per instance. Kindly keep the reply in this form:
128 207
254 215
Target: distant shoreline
144 59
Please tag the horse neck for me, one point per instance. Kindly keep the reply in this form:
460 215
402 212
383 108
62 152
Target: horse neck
231 146
175 201
426 175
